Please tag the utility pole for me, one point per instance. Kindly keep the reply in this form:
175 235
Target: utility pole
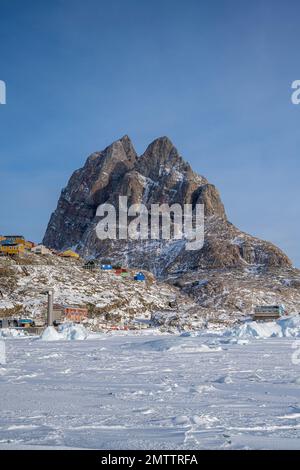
49 293
50 308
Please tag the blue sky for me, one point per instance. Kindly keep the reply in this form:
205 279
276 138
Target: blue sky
215 76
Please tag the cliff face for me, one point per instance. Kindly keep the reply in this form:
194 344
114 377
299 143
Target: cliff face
87 188
160 175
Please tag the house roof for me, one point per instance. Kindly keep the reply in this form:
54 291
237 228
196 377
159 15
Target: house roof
13 236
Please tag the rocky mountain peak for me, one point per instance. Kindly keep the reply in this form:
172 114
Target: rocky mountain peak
161 155
121 149
159 176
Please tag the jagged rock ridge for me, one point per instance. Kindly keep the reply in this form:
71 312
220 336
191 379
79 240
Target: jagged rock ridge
160 175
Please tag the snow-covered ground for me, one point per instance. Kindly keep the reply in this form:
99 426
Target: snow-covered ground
111 300
144 390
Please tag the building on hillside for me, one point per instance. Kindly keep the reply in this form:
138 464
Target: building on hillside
120 271
11 248
139 277
26 323
268 312
16 240
69 254
91 265
76 314
62 314
41 250
106 267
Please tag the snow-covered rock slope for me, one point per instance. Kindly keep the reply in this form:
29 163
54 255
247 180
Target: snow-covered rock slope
204 296
109 298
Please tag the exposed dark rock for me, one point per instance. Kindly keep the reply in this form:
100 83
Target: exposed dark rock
160 175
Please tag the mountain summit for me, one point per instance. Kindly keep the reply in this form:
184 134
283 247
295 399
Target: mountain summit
160 175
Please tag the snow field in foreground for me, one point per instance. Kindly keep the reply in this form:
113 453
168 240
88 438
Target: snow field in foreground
126 391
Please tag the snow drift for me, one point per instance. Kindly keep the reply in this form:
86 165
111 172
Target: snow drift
67 331
286 327
283 328
12 333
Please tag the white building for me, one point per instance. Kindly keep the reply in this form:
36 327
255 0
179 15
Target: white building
41 250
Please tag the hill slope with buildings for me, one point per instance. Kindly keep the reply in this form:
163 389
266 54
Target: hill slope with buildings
229 275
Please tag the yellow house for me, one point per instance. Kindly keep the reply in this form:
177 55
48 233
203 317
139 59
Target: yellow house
70 254
12 249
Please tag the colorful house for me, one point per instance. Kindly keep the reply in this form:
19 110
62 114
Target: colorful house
14 244
70 254
120 271
106 267
139 277
76 314
11 248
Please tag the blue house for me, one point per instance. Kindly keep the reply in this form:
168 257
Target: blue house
106 267
139 277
